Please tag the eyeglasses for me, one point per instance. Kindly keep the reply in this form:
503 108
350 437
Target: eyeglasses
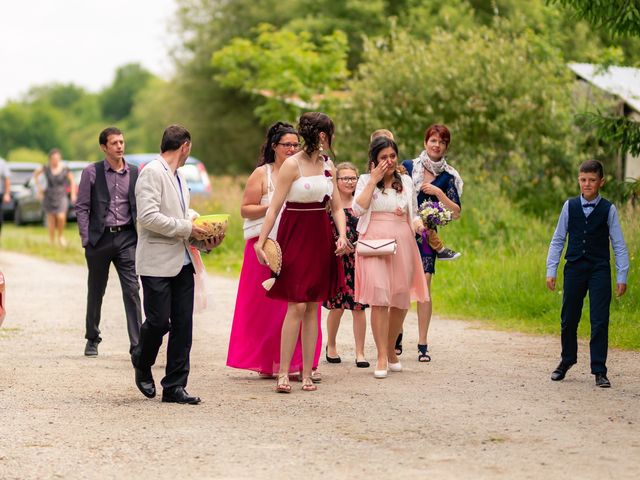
348 179
290 145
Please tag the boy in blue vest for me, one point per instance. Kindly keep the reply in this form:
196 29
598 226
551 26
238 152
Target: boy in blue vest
590 221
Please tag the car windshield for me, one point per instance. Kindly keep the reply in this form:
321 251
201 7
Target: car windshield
20 177
191 173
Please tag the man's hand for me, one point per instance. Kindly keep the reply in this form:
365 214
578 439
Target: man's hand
551 283
6 198
197 232
621 288
213 242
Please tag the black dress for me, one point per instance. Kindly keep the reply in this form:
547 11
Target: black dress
345 299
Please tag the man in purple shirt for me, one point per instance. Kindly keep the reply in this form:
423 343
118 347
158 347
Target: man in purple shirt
106 213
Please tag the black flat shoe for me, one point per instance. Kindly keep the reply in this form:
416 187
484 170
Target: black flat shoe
145 383
91 348
331 359
560 372
179 395
602 381
362 364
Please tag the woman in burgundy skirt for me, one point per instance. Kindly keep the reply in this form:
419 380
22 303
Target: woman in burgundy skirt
311 272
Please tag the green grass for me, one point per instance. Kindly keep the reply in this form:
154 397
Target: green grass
499 280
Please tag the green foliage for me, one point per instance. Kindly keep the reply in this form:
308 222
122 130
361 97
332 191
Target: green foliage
505 96
118 99
285 68
23 154
620 131
620 17
36 126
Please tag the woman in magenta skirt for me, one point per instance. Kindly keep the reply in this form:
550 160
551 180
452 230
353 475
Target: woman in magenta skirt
387 208
254 343
311 271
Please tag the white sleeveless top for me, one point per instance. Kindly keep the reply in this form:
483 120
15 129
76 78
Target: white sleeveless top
310 189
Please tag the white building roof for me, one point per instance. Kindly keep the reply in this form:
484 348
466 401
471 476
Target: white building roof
624 82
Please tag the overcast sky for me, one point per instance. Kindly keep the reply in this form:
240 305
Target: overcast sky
80 41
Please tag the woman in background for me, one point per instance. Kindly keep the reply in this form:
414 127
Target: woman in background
254 343
55 202
434 180
347 176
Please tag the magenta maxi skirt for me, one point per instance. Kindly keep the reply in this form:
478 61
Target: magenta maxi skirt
254 343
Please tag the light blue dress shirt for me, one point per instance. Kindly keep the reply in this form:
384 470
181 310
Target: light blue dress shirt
620 251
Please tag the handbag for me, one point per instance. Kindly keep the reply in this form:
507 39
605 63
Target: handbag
377 247
273 253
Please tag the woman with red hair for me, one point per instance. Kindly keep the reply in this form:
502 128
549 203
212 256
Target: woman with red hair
433 180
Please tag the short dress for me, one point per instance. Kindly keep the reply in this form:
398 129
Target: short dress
311 271
345 299
390 280
254 342
445 182
55 195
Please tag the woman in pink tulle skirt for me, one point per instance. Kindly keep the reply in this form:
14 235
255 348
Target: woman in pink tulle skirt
387 208
254 343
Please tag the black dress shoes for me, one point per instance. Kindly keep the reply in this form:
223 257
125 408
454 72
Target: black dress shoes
145 383
560 372
602 381
91 348
179 395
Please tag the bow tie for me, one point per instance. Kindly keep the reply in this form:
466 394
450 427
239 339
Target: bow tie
588 205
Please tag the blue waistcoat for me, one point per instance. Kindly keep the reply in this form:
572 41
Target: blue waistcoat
588 236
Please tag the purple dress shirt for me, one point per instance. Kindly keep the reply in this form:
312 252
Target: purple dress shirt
119 210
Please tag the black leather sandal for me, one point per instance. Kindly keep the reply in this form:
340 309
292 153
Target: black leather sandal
423 356
398 346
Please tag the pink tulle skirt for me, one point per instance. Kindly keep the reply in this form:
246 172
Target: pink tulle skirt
390 280
254 343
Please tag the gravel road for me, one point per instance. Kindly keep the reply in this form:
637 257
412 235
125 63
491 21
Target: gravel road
484 408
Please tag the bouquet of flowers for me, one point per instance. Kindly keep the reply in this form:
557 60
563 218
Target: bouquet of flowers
432 214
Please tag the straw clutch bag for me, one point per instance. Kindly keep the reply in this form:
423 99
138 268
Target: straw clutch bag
380 246
273 253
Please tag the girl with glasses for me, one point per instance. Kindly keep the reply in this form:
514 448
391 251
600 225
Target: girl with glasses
347 176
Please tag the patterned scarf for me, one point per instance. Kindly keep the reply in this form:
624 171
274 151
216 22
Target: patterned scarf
423 162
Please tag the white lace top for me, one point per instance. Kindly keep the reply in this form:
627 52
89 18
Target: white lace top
312 188
388 201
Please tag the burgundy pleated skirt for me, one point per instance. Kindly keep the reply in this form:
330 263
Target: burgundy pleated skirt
311 271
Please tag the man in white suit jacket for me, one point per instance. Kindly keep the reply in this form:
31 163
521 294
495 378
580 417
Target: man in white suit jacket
165 266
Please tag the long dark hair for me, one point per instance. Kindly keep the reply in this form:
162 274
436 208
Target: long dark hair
310 125
377 145
274 134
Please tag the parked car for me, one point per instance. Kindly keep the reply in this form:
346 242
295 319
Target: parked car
21 172
3 311
28 204
193 170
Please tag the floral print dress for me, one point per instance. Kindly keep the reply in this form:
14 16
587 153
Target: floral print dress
345 299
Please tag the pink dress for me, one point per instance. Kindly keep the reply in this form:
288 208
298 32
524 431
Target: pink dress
254 343
391 280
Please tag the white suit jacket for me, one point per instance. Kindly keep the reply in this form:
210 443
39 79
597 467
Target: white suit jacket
163 223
